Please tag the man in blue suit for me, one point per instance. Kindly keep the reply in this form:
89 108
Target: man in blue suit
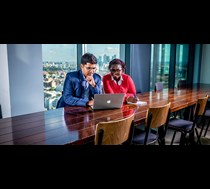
80 86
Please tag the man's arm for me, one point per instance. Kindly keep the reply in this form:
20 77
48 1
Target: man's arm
96 89
69 93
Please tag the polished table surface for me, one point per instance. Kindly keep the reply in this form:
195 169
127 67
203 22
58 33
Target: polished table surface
76 125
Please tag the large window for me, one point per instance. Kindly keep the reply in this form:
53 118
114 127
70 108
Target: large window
169 63
58 59
160 62
182 57
104 54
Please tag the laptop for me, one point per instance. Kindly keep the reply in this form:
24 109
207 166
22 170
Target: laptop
108 101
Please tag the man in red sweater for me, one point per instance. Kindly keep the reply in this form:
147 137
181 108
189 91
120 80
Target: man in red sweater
119 82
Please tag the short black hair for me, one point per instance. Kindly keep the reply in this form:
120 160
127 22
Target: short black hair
117 61
88 58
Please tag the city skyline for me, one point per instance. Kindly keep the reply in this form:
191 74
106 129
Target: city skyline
67 52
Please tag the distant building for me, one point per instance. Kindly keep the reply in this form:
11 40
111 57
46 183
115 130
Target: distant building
45 74
59 88
49 83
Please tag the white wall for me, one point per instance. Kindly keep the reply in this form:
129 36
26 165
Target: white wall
205 64
25 78
4 82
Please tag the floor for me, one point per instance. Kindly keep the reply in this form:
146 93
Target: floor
204 140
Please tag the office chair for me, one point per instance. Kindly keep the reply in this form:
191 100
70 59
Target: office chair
188 125
157 119
158 86
206 117
182 84
115 132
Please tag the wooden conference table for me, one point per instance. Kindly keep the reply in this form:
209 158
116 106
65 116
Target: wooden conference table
76 125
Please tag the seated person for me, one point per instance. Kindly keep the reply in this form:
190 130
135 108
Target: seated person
80 86
119 82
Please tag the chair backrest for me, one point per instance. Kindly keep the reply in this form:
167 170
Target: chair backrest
208 104
0 112
114 132
181 84
196 110
158 86
202 105
159 115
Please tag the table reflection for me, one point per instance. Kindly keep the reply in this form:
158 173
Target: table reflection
82 121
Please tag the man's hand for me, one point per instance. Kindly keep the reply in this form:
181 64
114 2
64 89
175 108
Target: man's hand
91 81
90 103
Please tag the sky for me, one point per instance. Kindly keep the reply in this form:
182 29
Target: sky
67 52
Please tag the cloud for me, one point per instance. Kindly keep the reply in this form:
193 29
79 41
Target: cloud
110 50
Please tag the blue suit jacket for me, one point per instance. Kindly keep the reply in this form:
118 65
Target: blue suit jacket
74 88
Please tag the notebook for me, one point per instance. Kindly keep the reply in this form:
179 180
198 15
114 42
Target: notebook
140 103
108 101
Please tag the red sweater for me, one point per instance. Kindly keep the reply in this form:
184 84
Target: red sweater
126 87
